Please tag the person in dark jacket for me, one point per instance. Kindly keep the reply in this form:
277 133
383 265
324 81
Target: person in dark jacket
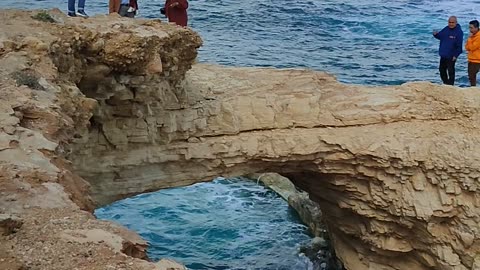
451 43
176 11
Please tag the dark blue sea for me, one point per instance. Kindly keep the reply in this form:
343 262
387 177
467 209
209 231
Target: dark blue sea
359 41
231 224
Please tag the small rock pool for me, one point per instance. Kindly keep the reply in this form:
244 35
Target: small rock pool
224 224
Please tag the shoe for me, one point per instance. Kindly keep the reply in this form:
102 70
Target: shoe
81 13
71 14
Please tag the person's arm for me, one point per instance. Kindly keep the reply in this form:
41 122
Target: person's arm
459 45
439 35
183 4
472 45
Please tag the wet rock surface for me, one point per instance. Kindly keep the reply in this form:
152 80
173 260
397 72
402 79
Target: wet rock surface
320 251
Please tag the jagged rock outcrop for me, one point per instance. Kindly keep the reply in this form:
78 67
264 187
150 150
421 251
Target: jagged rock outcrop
394 169
44 206
308 210
319 251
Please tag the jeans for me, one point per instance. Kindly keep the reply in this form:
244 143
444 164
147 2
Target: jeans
71 5
447 64
473 69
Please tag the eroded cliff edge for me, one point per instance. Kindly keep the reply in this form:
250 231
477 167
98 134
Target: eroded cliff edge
45 208
394 169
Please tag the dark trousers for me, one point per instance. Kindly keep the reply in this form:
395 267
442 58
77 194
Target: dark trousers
473 69
71 5
124 11
447 70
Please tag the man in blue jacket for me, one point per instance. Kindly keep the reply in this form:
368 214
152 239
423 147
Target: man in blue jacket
451 43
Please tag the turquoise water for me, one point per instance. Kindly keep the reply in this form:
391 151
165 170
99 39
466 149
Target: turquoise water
225 224
365 42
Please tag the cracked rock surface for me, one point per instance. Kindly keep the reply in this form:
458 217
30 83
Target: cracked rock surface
45 207
86 121
394 169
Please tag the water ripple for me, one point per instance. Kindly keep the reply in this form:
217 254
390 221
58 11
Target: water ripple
225 224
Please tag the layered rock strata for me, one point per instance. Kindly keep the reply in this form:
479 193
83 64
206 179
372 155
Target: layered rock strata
395 170
45 208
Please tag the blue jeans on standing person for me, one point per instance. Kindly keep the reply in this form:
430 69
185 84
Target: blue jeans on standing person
71 6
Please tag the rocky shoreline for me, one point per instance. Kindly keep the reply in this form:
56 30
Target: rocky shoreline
46 215
87 120
320 251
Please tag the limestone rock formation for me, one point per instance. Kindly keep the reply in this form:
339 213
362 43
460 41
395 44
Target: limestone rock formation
281 185
319 251
395 170
308 210
45 219
169 264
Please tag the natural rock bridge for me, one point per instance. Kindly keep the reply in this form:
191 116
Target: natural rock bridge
394 169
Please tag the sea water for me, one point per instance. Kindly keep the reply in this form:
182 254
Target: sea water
359 41
224 224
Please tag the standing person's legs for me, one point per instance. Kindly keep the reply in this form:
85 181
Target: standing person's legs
71 6
473 69
451 71
113 6
81 5
443 70
131 14
124 12
81 9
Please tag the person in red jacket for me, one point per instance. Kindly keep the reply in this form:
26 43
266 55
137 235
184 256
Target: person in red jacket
176 11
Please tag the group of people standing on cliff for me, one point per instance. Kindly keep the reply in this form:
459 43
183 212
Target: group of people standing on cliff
451 46
174 10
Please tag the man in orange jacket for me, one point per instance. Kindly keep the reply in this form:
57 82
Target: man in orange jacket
473 49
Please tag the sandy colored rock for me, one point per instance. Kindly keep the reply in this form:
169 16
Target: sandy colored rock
308 210
45 208
281 185
394 169
169 264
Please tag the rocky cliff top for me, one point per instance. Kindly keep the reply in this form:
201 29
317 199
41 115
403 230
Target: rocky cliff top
45 209
98 110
